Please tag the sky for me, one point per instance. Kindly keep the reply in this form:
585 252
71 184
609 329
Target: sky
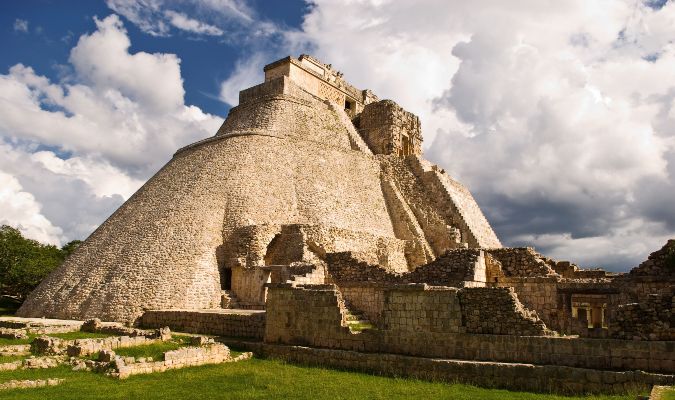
558 116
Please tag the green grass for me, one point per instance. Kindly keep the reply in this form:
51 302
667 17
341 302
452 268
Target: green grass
7 359
154 350
670 394
79 335
12 342
255 379
360 326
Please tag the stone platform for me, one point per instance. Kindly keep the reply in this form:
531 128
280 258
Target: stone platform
222 322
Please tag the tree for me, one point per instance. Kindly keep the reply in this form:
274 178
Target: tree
25 262
70 247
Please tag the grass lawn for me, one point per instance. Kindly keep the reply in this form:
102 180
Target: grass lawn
11 342
79 335
7 359
669 395
253 379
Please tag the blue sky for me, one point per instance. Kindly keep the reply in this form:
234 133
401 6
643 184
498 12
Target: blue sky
559 116
53 28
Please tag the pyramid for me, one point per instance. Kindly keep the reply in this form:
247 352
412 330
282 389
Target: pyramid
304 166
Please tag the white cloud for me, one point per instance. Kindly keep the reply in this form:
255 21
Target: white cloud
20 25
246 74
205 17
182 21
21 210
82 145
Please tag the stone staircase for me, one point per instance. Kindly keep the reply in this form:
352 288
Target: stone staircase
316 275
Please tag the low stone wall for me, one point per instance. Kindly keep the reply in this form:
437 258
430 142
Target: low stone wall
9 333
512 376
214 322
11 366
83 347
183 357
14 384
15 350
498 311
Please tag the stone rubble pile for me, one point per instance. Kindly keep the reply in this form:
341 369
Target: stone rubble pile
522 261
659 263
647 320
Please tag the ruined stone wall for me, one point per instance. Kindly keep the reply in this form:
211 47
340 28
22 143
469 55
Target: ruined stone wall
521 262
454 268
367 298
315 317
539 294
271 244
248 324
651 319
498 311
659 263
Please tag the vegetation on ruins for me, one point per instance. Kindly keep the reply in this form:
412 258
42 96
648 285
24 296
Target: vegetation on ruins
24 263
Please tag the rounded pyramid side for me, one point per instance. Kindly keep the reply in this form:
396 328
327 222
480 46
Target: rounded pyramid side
158 250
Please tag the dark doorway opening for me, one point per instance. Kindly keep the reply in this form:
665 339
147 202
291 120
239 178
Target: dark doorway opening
226 279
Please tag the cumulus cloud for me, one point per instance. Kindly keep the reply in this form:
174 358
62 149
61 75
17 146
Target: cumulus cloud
558 116
20 209
246 73
83 145
20 25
